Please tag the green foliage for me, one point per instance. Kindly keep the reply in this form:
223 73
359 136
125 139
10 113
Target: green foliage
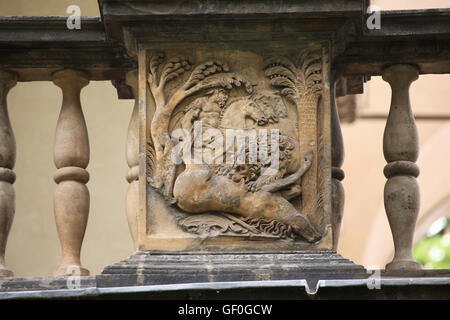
434 252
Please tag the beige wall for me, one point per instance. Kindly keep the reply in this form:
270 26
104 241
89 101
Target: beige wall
410 4
46 7
366 235
33 248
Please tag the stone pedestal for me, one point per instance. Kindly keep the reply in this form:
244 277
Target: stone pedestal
234 159
154 268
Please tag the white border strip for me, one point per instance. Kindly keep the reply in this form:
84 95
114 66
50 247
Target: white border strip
93 291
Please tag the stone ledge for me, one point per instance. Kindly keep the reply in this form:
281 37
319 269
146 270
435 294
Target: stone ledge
392 288
193 275
156 268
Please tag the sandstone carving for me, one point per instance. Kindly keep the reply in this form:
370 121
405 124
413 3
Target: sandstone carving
221 194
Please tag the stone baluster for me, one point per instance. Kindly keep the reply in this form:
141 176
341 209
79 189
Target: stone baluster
401 149
7 161
71 157
132 156
337 174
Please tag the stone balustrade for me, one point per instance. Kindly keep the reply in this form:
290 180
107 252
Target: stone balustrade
7 175
175 65
132 157
337 174
401 149
71 157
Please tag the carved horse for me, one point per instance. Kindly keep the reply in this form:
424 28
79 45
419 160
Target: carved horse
198 189
238 111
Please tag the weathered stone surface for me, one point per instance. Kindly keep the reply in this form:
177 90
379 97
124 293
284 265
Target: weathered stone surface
7 162
222 201
401 150
132 157
422 284
45 283
337 174
260 65
71 156
149 268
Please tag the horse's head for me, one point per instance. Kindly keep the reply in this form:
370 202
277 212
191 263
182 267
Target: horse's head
239 109
254 112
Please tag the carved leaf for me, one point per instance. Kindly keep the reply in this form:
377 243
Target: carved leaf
176 67
151 157
280 71
283 74
315 68
155 61
210 225
205 70
272 227
310 75
295 82
278 81
280 61
289 94
225 224
223 80
307 58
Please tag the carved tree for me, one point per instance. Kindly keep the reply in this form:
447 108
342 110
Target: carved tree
207 75
301 84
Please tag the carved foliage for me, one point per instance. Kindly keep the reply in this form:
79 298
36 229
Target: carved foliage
213 225
210 74
251 174
262 208
297 82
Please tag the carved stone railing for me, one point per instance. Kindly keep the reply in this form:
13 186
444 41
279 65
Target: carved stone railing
331 54
43 49
337 174
71 157
7 161
401 150
132 156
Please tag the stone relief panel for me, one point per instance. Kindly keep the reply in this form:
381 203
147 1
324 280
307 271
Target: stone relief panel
232 138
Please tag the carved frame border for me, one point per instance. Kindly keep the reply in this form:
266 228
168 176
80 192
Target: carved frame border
146 242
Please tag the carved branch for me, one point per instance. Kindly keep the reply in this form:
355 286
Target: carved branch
155 61
173 69
283 74
296 83
206 75
204 70
310 75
